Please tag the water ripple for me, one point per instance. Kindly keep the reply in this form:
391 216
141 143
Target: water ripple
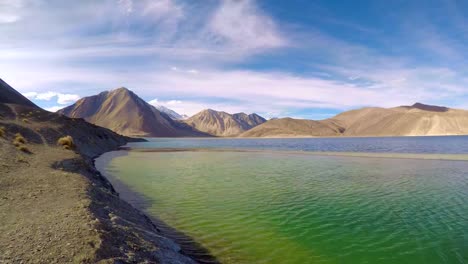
255 207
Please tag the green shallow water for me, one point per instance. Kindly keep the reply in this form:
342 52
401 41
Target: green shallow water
275 207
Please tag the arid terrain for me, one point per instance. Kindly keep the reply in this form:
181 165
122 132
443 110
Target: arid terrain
416 120
55 207
124 112
222 124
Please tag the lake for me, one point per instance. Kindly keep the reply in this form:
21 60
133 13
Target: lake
284 201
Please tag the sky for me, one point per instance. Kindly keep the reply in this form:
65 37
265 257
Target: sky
298 58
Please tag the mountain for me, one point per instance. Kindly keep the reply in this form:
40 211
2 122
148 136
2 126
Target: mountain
249 121
289 127
171 113
223 124
124 112
8 95
415 120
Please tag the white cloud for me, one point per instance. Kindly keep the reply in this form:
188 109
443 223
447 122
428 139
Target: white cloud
190 108
47 96
67 98
243 25
126 6
10 11
164 9
53 108
8 18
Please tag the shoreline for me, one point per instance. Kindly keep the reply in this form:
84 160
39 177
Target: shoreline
387 155
188 245
56 207
309 137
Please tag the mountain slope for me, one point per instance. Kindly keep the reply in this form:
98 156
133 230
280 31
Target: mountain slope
8 95
57 208
124 112
223 124
289 127
416 120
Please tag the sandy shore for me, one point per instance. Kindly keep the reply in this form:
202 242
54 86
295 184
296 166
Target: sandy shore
425 156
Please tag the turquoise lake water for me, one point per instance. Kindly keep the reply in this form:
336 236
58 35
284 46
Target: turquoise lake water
283 204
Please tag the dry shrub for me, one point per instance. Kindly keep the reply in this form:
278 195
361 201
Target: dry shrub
66 142
19 140
25 120
2 131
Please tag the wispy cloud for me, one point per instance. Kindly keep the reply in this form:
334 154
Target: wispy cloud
241 24
228 55
9 11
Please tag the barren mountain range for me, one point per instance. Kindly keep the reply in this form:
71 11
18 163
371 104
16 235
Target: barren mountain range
124 112
223 124
415 120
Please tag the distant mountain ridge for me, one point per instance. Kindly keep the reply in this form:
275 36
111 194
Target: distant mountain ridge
124 112
171 113
415 120
223 124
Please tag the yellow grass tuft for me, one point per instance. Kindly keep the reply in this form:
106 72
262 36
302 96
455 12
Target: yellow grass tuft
25 120
66 142
19 140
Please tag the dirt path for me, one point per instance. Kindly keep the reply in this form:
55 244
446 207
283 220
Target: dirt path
13 109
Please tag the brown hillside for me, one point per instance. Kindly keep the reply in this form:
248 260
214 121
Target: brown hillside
124 112
416 120
289 127
223 124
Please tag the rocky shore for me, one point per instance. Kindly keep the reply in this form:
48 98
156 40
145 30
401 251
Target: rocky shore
55 207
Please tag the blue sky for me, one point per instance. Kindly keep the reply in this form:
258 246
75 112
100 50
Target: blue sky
298 58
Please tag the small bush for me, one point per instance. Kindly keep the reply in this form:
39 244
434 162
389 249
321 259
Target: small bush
19 140
25 120
66 142
2 131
